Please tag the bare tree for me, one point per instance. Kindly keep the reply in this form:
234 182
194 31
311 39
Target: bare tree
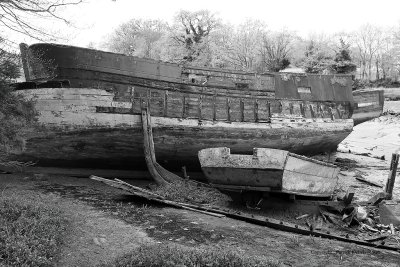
275 50
17 15
138 37
239 47
367 40
192 29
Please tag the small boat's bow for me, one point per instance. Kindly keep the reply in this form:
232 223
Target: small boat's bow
268 170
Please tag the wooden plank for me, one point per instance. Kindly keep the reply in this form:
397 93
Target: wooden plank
378 198
200 107
256 110
312 111
302 111
362 179
228 109
241 110
349 196
214 108
166 104
183 106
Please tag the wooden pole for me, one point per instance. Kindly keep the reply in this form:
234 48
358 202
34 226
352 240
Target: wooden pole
392 176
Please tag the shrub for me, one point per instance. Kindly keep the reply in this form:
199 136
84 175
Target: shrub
30 232
16 113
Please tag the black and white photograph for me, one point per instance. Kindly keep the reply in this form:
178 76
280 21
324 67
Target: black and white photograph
150 133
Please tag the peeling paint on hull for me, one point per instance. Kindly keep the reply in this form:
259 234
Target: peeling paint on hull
268 170
75 135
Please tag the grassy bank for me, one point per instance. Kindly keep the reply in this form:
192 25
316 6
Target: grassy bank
31 231
158 255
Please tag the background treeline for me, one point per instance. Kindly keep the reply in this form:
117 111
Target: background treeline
201 39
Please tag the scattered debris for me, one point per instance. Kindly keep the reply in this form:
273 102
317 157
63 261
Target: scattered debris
379 238
361 214
349 196
362 179
378 198
302 216
312 229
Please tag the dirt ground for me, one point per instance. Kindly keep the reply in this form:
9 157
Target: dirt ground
106 222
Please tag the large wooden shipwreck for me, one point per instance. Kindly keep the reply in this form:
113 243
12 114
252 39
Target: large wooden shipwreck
89 104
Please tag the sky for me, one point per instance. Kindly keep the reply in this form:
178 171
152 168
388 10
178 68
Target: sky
94 20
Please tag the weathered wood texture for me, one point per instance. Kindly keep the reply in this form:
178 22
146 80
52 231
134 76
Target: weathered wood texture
97 69
392 176
160 175
368 105
76 134
269 170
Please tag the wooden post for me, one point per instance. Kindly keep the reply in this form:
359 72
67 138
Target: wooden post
331 113
184 172
241 110
339 113
302 110
228 109
183 106
349 196
312 111
392 176
132 98
291 108
200 100
256 110
214 108
165 103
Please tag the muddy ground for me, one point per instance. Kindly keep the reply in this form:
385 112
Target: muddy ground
106 222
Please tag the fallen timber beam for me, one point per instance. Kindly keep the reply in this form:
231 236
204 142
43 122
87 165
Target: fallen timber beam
253 219
140 192
159 174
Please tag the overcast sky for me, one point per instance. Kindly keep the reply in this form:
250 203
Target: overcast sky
96 19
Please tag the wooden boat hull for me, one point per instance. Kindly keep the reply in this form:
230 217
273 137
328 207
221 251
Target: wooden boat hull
88 68
97 121
268 170
76 132
368 105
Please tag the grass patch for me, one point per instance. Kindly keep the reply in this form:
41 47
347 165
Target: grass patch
184 191
31 231
171 255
